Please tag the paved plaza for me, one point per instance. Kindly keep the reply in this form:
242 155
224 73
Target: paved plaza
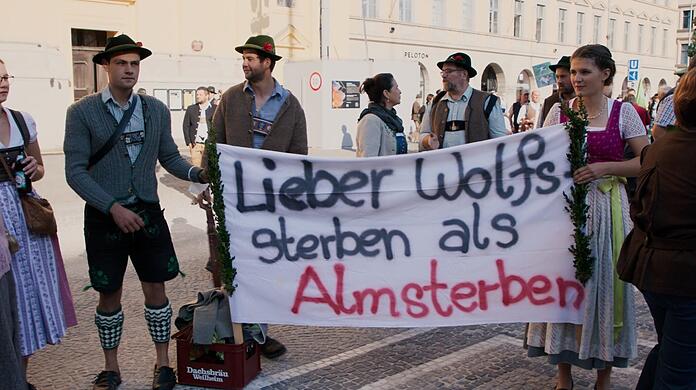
470 357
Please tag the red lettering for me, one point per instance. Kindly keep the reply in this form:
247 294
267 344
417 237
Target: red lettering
564 285
376 294
483 290
340 270
433 287
410 302
544 288
506 282
311 274
456 296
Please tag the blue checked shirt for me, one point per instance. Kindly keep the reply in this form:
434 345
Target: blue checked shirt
665 113
270 109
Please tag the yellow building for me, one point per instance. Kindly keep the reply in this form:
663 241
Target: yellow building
48 44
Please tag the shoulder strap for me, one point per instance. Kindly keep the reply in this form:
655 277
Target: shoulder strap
23 128
489 107
96 157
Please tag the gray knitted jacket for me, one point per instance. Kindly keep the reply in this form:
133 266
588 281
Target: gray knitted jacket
89 125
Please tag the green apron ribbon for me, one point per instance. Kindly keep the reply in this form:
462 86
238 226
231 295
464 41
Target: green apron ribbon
612 184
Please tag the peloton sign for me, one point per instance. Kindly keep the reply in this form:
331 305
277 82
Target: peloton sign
466 235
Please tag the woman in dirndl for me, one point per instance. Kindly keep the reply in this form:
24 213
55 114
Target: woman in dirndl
36 265
607 336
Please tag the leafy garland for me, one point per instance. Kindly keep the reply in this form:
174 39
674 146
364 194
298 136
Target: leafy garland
577 201
216 187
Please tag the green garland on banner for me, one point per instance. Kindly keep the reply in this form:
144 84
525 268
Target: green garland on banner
577 206
216 188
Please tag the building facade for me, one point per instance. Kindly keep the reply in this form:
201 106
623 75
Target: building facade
48 45
685 30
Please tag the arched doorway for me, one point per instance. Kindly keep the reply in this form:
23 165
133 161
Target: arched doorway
423 89
663 83
493 79
525 80
644 92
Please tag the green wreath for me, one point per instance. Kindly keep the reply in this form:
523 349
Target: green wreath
576 202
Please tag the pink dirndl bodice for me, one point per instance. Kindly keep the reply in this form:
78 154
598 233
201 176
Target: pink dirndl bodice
607 144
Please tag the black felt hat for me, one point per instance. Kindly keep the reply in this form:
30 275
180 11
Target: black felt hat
262 43
564 62
119 44
460 59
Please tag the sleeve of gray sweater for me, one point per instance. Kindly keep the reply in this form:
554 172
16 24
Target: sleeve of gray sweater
77 149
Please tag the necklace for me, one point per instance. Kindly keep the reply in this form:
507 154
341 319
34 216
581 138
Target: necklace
591 117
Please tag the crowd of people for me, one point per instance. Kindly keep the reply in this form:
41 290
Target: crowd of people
115 138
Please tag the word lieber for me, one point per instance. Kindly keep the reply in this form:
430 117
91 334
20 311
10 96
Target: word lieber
465 296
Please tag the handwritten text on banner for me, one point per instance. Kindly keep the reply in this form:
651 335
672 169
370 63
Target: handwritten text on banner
467 235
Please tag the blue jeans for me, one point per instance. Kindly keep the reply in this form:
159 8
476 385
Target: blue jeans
671 364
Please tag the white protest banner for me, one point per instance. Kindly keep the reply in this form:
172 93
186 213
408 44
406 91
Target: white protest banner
466 235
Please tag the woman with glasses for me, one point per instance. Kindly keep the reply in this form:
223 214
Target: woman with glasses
607 336
380 130
34 264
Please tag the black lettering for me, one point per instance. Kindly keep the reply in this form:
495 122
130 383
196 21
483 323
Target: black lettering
524 169
292 189
503 193
498 223
477 219
360 180
553 181
306 246
389 236
271 242
462 234
241 204
376 178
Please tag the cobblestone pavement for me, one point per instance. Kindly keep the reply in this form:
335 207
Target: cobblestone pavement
471 357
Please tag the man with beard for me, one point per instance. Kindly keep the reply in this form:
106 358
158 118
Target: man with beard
565 88
259 113
460 114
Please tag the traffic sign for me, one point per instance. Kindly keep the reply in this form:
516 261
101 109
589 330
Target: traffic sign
632 75
633 64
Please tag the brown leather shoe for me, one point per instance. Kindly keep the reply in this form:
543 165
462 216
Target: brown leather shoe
272 348
107 380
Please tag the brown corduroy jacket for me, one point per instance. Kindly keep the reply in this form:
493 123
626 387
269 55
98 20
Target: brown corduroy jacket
659 255
232 121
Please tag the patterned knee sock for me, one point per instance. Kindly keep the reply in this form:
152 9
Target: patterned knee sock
110 327
159 321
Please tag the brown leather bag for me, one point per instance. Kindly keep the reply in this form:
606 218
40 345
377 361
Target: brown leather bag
38 213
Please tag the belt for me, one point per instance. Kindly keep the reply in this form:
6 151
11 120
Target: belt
455 125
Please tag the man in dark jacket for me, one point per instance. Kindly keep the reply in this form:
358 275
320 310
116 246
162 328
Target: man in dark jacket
196 125
565 88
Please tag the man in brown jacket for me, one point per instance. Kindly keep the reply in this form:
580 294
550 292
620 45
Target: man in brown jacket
565 88
460 114
259 113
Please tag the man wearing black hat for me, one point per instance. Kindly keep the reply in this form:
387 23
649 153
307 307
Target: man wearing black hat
260 113
565 88
460 114
113 140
